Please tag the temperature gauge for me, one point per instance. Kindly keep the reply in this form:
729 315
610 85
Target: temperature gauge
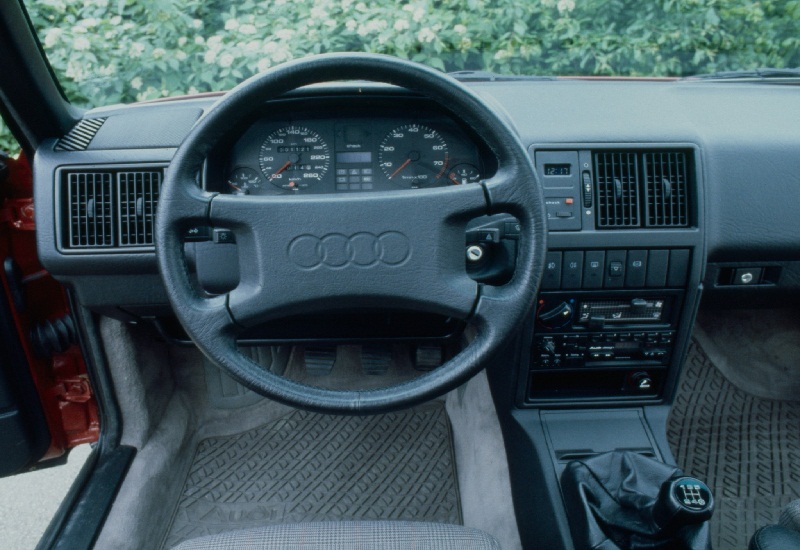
463 173
244 181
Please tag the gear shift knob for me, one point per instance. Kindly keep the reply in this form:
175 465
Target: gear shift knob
683 501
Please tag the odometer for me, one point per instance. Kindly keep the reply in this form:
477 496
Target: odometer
413 155
294 157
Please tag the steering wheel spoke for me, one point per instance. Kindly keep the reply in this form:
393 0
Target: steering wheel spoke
301 255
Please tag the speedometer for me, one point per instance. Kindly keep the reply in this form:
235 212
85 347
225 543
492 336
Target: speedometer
294 157
413 155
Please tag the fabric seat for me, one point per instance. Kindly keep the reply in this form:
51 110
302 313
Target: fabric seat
356 535
784 536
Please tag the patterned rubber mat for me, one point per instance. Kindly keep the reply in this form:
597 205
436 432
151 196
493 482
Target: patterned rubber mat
313 467
746 448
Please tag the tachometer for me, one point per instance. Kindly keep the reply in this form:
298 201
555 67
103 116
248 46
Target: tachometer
413 155
294 157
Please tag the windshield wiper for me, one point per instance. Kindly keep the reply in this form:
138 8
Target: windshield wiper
763 74
488 76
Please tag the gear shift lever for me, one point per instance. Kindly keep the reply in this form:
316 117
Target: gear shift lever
683 501
626 501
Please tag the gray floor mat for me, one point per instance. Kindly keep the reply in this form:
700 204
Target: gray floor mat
314 467
746 448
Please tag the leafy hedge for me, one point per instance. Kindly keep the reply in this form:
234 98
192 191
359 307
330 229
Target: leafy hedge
108 51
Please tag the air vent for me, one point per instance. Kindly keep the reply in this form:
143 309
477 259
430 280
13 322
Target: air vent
663 180
90 207
665 175
138 197
617 185
108 207
81 135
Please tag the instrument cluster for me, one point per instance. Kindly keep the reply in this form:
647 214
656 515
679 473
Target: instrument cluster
348 149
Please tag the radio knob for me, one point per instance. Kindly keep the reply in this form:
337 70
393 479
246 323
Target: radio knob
557 317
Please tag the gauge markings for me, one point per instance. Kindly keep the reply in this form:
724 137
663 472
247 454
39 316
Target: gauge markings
413 155
294 157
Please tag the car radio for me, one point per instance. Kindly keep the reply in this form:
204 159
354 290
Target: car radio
598 344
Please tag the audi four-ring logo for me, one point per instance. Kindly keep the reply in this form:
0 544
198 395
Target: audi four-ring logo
338 251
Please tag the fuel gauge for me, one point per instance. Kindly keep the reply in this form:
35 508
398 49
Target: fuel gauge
244 181
463 173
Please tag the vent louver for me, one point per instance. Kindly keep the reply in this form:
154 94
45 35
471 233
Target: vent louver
90 208
81 135
643 188
138 197
109 207
666 189
617 185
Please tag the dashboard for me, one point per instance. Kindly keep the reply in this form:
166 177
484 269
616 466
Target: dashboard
325 147
656 193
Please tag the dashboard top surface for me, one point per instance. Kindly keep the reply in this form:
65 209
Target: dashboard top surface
744 135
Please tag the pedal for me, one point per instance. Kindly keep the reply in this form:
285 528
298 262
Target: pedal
375 359
427 358
319 361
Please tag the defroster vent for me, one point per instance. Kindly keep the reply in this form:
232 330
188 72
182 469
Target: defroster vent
617 187
81 135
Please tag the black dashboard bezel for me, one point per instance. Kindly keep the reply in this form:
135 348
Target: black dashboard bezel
390 105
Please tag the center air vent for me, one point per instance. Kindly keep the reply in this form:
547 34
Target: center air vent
665 176
617 184
660 178
109 208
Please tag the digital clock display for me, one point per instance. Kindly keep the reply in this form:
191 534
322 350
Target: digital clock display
557 169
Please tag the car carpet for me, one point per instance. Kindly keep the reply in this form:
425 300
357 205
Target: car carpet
745 447
315 467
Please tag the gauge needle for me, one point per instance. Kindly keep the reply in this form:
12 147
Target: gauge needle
281 169
455 180
406 163
234 186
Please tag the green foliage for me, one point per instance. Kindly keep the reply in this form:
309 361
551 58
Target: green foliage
7 142
108 51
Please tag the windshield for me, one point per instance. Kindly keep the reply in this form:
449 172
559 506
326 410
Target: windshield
110 51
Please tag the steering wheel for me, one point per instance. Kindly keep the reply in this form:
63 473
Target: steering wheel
399 249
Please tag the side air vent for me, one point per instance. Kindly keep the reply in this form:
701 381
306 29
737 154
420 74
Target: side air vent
666 188
643 188
81 135
617 187
90 208
138 197
108 208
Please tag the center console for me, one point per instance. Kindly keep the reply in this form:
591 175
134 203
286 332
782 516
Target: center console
622 271
602 352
